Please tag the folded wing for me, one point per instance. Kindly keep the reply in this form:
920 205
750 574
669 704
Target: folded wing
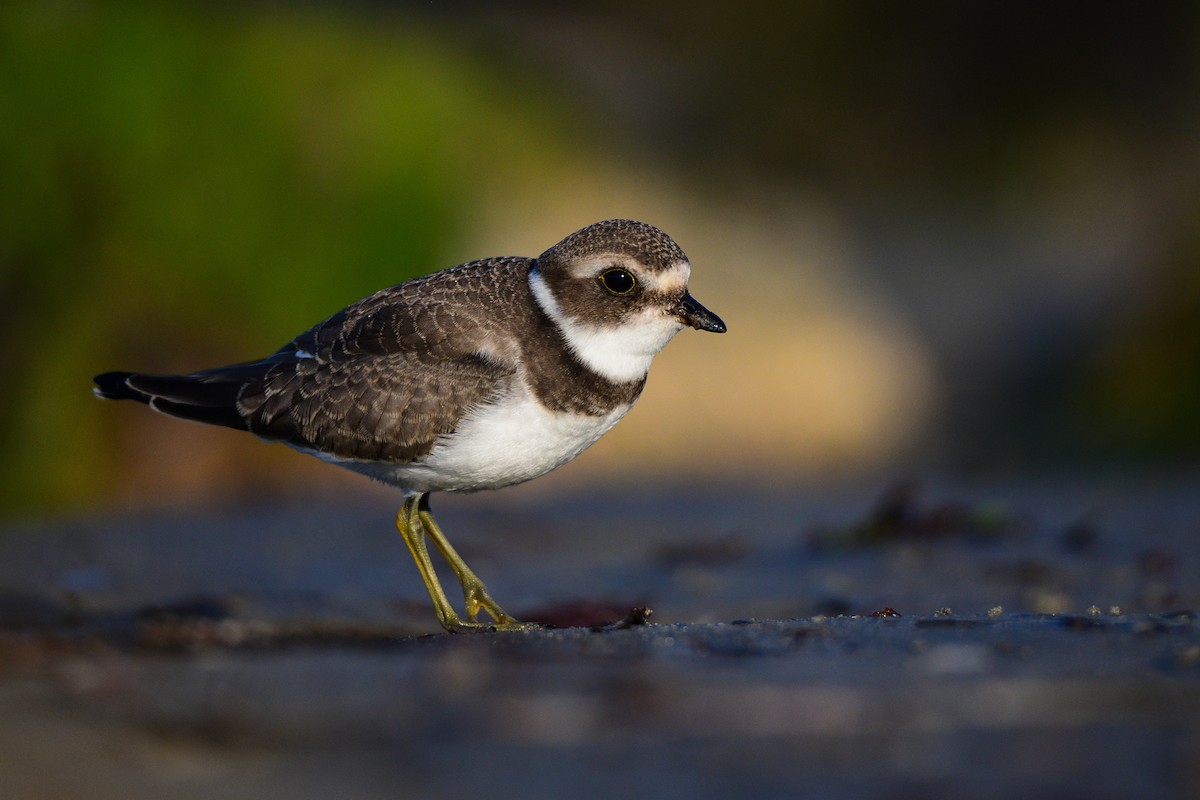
380 380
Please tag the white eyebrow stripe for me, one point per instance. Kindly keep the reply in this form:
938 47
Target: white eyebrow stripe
672 279
669 281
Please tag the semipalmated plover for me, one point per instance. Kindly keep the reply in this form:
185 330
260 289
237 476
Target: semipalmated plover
477 377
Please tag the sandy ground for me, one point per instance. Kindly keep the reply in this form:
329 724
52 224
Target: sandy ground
994 641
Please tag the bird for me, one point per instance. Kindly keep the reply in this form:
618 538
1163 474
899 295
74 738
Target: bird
477 377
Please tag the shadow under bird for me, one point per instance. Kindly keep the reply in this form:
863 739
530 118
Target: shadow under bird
481 376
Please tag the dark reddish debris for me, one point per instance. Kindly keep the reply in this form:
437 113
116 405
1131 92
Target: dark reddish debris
588 614
637 616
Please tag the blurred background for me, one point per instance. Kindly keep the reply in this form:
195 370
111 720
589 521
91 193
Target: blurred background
947 237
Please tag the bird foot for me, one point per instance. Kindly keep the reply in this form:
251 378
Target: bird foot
459 626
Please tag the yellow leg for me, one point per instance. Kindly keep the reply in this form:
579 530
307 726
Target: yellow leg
414 536
475 594
414 521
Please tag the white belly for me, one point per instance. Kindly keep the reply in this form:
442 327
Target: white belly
500 445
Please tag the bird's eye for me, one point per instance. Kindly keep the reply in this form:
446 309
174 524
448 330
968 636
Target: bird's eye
618 281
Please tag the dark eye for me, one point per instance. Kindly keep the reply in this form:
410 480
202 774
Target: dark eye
618 281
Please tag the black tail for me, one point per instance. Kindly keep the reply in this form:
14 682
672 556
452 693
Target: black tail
113 386
202 398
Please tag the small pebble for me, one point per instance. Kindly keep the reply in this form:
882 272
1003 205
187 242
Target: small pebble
1188 657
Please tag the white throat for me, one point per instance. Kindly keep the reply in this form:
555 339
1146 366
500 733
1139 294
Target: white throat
620 353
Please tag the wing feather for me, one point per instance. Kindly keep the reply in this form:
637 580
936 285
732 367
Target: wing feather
382 379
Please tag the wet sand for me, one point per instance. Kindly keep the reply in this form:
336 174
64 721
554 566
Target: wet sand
962 642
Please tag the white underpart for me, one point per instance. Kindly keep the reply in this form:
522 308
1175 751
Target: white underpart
500 444
621 353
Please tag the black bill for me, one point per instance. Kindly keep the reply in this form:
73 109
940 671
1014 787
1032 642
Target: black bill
692 313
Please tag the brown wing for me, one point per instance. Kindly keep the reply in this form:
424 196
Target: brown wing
383 379
389 408
380 380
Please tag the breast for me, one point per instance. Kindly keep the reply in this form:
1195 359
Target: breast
502 444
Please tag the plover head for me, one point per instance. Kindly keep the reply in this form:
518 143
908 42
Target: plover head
618 291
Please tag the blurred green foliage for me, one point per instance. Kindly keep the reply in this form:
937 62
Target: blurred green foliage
216 179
